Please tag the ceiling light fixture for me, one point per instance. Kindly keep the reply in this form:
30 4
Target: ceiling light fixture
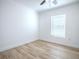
44 1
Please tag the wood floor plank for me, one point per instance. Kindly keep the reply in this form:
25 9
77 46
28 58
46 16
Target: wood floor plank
40 50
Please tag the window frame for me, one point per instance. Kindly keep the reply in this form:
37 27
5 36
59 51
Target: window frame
64 26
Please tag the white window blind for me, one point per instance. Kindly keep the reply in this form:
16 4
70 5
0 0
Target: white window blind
58 25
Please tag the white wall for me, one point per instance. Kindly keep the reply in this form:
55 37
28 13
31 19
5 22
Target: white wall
72 25
18 24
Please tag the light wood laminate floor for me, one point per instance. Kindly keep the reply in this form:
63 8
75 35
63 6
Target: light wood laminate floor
40 50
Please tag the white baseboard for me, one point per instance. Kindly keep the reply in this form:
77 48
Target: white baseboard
61 43
16 45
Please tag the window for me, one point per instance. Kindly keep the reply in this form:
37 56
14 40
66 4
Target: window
58 25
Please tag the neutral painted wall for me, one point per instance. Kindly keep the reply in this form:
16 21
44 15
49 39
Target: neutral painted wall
72 25
18 24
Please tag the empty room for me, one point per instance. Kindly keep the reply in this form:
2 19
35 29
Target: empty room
39 29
